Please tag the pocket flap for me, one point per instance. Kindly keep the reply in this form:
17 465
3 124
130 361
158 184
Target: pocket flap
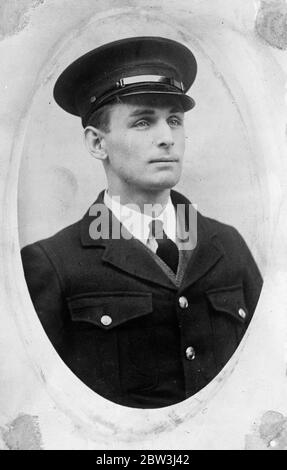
111 309
229 300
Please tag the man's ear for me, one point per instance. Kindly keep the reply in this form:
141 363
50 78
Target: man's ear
95 142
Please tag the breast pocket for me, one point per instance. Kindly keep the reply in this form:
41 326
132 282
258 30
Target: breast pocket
229 319
122 337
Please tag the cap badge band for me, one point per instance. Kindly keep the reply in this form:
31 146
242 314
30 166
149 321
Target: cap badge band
145 79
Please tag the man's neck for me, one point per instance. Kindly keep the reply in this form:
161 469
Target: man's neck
150 203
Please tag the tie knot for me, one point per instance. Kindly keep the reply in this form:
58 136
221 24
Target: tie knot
166 248
156 229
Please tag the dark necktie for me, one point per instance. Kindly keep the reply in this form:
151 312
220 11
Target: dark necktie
167 249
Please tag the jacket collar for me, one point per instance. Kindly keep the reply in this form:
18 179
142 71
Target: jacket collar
129 255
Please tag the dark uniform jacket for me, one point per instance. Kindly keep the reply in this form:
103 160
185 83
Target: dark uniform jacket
121 324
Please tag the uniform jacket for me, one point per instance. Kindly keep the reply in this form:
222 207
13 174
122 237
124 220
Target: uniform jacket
124 328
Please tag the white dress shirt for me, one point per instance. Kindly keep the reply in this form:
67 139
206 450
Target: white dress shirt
137 223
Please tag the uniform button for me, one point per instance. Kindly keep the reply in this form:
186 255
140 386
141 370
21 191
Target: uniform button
242 313
106 320
190 353
183 302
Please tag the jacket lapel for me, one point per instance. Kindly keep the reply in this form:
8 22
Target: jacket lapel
206 254
202 241
121 250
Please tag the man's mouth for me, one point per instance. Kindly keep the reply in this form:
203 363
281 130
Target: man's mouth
164 160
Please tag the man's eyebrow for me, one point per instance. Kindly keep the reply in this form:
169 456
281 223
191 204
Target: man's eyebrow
139 112
150 111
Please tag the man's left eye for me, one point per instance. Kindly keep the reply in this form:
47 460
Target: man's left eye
174 122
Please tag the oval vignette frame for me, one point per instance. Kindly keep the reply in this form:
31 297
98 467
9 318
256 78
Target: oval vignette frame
67 391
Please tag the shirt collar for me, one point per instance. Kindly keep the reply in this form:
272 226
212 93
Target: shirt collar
137 223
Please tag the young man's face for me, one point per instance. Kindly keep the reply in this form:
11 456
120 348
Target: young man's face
145 146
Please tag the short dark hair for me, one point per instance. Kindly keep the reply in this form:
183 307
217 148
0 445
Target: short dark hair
100 119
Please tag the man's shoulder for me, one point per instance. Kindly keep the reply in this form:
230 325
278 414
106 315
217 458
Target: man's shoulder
207 226
216 226
227 234
69 236
62 240
227 237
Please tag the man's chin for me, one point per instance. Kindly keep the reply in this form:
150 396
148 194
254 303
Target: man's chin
162 185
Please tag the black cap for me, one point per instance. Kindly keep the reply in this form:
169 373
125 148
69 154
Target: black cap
132 66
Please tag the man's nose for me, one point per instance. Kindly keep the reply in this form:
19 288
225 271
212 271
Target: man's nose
163 135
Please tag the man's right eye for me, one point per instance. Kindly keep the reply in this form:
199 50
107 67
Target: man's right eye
141 124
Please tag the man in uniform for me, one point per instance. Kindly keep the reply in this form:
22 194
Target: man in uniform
145 299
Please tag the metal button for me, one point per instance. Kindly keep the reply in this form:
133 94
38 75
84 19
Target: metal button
183 302
242 313
106 320
190 353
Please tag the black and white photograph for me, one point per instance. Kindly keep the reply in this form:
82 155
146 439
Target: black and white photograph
143 289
